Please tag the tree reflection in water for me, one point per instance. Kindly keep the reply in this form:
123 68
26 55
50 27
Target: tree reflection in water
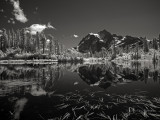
37 80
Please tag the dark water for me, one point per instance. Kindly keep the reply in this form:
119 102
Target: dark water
80 91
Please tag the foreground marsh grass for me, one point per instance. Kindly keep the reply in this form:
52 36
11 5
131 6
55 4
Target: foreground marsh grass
87 105
99 105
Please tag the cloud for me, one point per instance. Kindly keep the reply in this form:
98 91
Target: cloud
50 26
33 29
18 12
76 36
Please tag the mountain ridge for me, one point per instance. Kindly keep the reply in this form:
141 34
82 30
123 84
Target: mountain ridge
94 42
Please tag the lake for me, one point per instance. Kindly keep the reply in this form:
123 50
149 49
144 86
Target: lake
110 91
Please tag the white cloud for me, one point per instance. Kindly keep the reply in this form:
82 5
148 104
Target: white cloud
76 36
18 12
33 29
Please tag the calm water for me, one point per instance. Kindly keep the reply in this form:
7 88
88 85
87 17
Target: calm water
80 91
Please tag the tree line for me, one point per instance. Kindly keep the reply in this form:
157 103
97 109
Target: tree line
27 43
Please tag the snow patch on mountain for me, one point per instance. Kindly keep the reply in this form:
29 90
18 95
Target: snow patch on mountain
101 40
96 35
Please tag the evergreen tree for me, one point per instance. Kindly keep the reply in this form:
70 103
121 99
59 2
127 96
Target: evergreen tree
155 47
21 41
9 39
137 50
159 40
33 48
18 38
56 47
50 44
37 42
155 44
4 41
145 45
114 50
13 38
28 43
60 48
43 39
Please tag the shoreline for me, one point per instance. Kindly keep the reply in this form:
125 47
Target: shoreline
50 61
40 61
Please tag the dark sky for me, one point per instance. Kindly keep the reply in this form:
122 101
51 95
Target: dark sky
80 17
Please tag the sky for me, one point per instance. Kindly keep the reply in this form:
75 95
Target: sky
71 20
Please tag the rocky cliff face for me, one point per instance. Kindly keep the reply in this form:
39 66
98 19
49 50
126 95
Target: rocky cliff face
95 42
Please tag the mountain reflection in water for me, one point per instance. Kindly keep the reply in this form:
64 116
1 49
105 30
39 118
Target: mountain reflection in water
104 76
80 91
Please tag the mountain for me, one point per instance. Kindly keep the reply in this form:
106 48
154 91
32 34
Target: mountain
94 42
127 40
